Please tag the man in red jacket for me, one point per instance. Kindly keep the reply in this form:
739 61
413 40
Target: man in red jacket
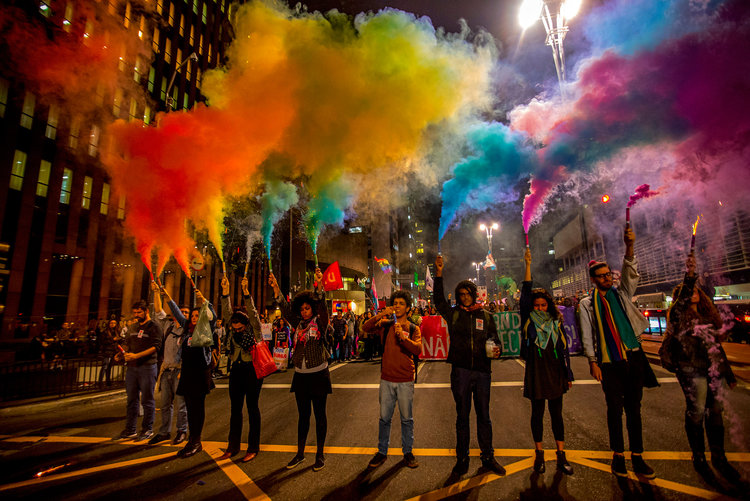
401 341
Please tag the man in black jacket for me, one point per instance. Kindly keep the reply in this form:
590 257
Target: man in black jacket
469 327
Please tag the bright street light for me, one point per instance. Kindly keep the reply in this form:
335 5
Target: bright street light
488 230
556 27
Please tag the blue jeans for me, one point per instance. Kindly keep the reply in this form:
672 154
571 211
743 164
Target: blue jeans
390 393
465 384
140 381
169 398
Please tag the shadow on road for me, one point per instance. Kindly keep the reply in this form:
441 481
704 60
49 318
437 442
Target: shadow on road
364 485
538 489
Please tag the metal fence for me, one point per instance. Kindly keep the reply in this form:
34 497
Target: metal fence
23 380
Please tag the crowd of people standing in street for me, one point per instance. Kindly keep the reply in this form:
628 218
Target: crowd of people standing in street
610 325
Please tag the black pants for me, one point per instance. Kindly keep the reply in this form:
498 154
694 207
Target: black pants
465 385
318 404
244 387
196 410
555 414
622 383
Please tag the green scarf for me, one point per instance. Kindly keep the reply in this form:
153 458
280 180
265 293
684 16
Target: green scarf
546 328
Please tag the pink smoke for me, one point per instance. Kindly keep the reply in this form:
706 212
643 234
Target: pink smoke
643 191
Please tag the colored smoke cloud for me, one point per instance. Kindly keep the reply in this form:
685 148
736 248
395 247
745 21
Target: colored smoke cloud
500 157
633 102
278 198
335 98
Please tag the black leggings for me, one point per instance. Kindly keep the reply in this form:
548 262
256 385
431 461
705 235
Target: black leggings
555 413
318 404
196 411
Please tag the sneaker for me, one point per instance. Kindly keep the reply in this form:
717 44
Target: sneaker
562 463
319 463
539 462
128 434
377 460
462 466
491 464
159 437
410 461
295 461
641 468
618 465
145 435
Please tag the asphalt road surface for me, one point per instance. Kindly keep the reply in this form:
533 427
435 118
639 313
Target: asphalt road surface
67 450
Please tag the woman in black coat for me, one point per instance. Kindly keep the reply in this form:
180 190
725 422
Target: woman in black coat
547 375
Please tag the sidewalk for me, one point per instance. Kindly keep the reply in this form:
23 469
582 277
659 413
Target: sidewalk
25 407
738 355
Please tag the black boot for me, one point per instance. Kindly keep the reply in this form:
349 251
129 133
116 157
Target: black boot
695 436
562 463
539 462
715 434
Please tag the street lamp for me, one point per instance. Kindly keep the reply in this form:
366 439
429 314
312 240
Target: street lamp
476 267
488 230
556 26
170 101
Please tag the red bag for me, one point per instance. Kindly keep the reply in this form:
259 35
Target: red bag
263 360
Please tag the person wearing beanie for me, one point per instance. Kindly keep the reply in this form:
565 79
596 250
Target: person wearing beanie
244 386
611 328
470 327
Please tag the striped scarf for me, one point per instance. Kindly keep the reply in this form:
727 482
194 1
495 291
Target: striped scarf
616 335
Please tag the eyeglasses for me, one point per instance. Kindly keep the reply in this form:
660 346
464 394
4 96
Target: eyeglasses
604 275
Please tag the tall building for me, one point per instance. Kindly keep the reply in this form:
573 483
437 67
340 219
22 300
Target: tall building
68 258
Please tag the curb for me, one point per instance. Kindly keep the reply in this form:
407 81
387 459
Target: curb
37 407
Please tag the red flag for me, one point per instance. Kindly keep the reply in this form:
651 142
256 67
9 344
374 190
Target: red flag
332 278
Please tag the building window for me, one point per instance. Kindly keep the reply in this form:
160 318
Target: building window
121 64
94 140
192 35
204 17
147 115
17 170
117 103
163 88
112 7
86 201
200 45
155 40
195 6
68 16
44 8
178 60
75 131
88 32
142 27
4 88
128 12
168 50
42 185
185 101
171 14
182 26
104 207
67 182
160 6
151 78
27 113
133 109
121 208
137 69
175 91
51 131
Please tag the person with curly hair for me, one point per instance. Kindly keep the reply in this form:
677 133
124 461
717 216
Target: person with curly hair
311 383
692 349
547 373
